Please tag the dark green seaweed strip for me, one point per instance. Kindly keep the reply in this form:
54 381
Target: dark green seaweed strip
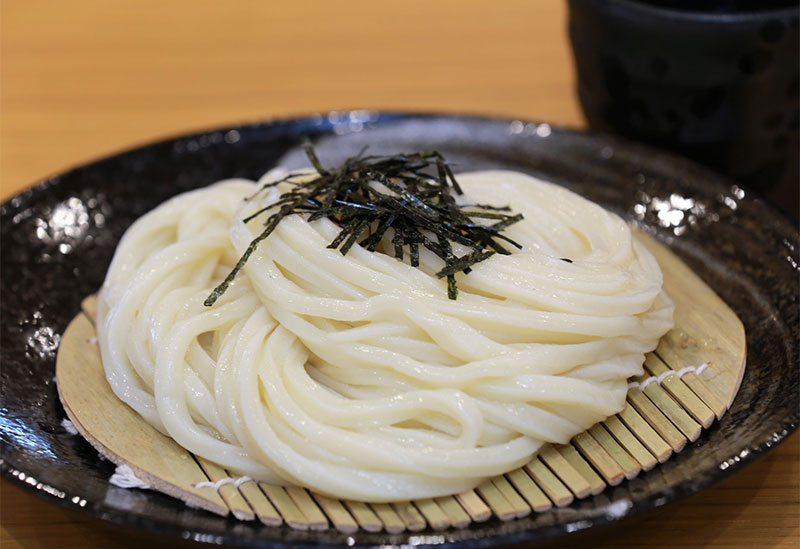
419 205
486 207
449 261
219 290
312 157
398 241
374 239
362 225
464 262
346 230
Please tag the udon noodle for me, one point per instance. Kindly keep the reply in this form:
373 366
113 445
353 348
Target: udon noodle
355 376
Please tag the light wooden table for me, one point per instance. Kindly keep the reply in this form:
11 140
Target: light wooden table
82 79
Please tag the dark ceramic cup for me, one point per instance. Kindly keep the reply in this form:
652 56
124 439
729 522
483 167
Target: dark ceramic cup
719 86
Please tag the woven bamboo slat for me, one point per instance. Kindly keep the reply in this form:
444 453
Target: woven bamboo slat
690 380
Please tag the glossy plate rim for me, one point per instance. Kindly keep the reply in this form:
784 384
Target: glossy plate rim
324 123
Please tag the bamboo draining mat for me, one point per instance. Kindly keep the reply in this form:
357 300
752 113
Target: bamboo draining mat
659 419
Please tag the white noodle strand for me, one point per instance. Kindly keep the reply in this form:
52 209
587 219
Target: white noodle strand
355 376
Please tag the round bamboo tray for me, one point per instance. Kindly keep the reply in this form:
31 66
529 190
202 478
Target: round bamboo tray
690 380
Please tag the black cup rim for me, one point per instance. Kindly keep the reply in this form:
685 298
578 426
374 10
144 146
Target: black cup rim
686 16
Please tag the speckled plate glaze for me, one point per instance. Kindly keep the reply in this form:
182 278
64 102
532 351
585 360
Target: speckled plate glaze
58 238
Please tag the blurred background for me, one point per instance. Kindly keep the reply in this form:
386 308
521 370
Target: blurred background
82 79
87 78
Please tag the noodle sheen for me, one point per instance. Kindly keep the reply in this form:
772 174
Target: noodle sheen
356 376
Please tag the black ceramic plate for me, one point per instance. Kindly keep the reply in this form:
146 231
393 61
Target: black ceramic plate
58 238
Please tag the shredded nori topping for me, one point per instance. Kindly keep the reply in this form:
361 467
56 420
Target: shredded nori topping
412 194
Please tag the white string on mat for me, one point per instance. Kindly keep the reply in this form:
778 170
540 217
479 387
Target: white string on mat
659 379
69 426
124 477
222 482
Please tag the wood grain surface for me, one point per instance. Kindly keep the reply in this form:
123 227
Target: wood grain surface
83 79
